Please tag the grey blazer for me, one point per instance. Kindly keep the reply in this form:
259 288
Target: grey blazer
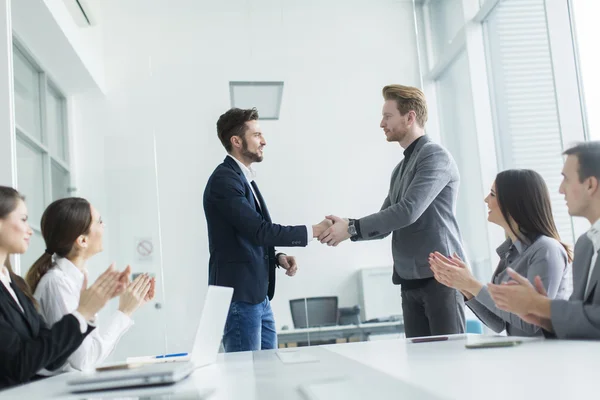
579 317
546 258
419 209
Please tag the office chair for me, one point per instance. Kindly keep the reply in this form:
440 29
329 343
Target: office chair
474 326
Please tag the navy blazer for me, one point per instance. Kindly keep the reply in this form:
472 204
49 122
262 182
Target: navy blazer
242 237
26 345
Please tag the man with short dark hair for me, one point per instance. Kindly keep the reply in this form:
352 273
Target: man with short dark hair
242 237
578 317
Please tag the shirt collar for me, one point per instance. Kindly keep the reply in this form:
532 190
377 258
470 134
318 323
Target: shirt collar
520 246
69 269
410 149
249 173
5 275
508 244
594 235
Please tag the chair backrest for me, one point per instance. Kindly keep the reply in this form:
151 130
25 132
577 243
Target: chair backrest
314 311
474 326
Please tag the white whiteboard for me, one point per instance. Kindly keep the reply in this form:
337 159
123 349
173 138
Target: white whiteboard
379 297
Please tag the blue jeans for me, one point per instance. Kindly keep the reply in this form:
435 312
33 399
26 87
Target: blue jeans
250 327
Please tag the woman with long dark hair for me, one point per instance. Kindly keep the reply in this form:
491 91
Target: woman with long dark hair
26 345
519 202
73 230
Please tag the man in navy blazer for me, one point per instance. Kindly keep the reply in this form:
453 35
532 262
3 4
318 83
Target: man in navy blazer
242 236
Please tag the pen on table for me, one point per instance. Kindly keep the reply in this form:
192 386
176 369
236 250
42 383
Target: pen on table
172 355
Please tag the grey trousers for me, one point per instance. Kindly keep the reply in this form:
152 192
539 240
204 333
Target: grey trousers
433 309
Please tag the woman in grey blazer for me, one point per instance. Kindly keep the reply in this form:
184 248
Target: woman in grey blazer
519 202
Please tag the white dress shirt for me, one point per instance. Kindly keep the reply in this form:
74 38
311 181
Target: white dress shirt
5 278
594 235
250 174
58 294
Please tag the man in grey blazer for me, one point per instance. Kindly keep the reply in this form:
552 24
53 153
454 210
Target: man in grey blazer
578 317
419 211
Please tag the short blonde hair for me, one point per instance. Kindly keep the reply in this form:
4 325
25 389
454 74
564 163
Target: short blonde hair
408 98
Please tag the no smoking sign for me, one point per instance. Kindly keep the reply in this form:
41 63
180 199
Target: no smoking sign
144 249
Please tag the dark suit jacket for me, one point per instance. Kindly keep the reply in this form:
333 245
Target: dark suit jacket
242 237
579 317
26 345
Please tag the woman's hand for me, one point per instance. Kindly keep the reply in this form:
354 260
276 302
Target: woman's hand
105 288
454 273
136 294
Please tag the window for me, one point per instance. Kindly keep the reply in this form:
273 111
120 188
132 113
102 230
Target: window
584 13
459 134
528 132
447 18
503 94
43 171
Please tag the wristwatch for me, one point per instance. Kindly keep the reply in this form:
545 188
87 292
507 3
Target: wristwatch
352 227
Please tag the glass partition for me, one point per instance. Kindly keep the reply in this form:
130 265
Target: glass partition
133 236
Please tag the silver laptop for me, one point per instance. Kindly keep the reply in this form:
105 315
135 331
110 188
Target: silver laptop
205 351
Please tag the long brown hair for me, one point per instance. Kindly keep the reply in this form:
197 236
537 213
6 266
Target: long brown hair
62 223
9 200
523 196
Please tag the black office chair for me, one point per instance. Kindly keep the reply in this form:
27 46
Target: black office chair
322 311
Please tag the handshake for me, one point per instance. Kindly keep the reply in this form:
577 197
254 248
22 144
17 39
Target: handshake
331 231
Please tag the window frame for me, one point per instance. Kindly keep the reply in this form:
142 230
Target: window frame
47 87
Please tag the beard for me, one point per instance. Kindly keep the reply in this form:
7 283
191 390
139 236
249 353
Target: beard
246 153
399 135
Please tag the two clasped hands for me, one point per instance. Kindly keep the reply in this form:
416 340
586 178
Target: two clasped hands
332 230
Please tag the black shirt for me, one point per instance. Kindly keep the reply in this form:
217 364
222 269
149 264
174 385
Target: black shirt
408 152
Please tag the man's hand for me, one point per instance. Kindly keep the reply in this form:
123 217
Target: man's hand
321 227
532 318
337 233
535 319
288 263
521 297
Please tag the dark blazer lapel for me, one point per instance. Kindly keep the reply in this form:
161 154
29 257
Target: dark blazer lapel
263 205
30 312
10 299
13 304
584 267
234 166
593 279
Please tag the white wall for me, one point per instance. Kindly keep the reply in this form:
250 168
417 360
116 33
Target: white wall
167 72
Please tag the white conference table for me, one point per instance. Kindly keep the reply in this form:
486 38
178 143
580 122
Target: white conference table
537 369
388 369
